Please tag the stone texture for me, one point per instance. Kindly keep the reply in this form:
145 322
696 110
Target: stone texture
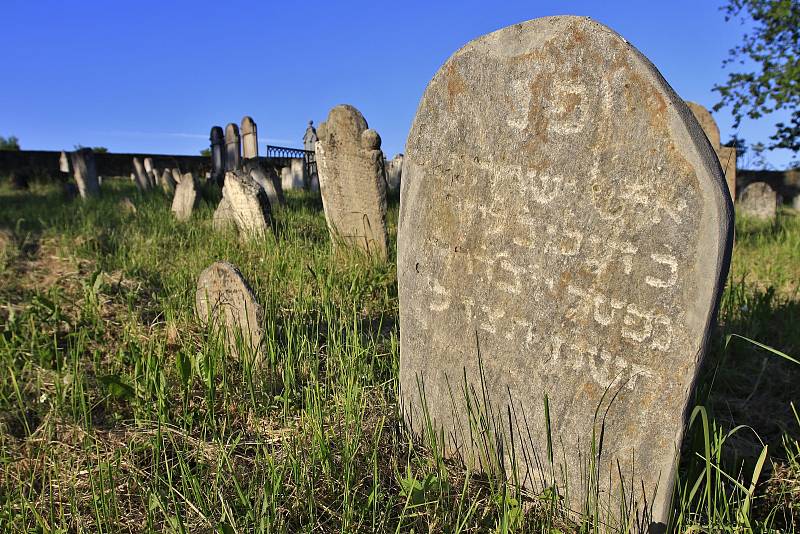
142 178
268 180
562 219
758 200
225 300
223 216
394 170
185 198
726 155
248 204
249 138
217 139
233 157
85 172
352 180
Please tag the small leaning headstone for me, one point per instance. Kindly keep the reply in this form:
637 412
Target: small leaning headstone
167 182
564 234
758 200
142 178
267 179
85 172
225 301
185 197
352 180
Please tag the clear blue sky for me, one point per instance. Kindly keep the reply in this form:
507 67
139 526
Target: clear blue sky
155 76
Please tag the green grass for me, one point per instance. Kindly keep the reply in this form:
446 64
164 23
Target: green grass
119 413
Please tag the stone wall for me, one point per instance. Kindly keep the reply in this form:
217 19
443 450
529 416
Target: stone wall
785 183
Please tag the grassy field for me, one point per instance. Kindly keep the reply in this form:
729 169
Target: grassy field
119 413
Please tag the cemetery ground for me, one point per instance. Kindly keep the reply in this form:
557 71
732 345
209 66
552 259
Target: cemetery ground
119 412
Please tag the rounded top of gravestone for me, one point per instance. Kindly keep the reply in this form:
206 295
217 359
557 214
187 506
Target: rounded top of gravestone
231 132
370 140
248 125
757 189
216 134
707 122
343 121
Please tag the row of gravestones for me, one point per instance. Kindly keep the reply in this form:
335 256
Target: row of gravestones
564 235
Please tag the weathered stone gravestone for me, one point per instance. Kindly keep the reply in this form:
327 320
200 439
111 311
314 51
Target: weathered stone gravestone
142 178
249 138
394 171
85 172
63 163
725 154
758 200
152 177
176 175
225 301
217 155
563 231
233 151
223 216
185 197
796 202
167 182
245 203
268 180
352 180
310 137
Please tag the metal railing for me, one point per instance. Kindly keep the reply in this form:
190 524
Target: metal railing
282 155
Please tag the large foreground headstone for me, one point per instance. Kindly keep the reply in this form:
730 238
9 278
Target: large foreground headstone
352 180
725 154
185 197
247 204
564 232
85 172
758 200
224 300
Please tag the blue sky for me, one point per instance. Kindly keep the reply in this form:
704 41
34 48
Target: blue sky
155 76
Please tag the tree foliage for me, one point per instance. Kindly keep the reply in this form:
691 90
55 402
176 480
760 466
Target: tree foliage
10 143
767 77
206 152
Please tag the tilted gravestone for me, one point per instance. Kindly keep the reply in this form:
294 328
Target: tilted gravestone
176 175
142 178
185 197
167 182
758 200
63 163
223 216
225 301
217 139
267 179
150 169
725 154
563 231
247 204
233 150
352 180
249 138
85 172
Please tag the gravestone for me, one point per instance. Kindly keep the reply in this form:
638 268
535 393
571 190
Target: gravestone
185 197
217 139
725 154
394 170
233 151
796 202
268 180
287 181
127 206
297 168
176 175
142 178
224 300
310 137
758 200
85 172
247 204
249 138
563 231
352 180
152 177
223 216
167 182
63 163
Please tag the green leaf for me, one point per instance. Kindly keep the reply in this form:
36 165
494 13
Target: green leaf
116 387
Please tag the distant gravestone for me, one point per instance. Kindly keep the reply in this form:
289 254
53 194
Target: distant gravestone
564 232
63 163
298 171
176 175
394 170
217 155
758 200
352 180
310 137
142 178
249 138
127 206
796 202
152 177
185 197
233 149
85 172
268 180
248 204
224 300
725 154
167 182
